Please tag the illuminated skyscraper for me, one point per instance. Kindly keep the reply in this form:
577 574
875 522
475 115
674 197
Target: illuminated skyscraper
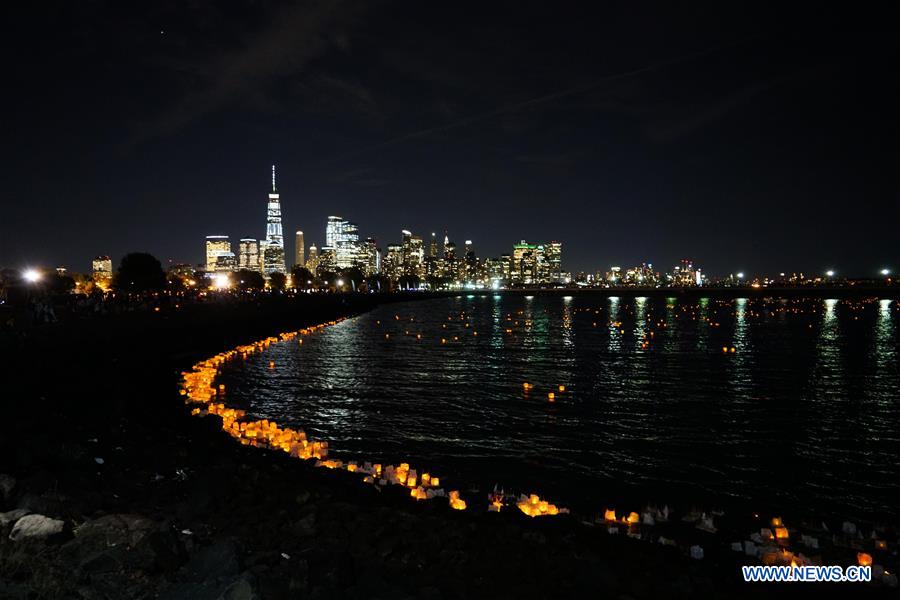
553 254
248 254
299 254
273 252
343 237
312 263
219 256
102 274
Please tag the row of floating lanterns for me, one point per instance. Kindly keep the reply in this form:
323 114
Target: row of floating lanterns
199 388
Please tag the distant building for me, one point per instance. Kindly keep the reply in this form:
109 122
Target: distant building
273 250
248 255
219 256
101 272
413 254
299 253
312 263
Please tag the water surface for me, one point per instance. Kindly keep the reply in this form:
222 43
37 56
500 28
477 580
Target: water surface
801 417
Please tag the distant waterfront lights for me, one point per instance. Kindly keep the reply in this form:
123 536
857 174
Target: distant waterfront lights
885 272
339 283
740 275
829 273
221 281
32 275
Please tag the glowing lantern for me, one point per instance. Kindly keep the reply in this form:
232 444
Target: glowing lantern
527 386
732 350
781 533
272 364
776 522
435 481
881 544
551 396
724 349
864 560
562 388
456 502
633 518
610 514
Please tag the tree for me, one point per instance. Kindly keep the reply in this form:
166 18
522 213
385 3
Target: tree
302 277
277 281
352 277
60 284
139 272
245 279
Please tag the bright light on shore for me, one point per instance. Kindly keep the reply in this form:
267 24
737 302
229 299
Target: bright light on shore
885 272
740 275
31 275
830 273
339 282
221 281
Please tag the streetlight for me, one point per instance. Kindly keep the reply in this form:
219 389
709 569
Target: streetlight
339 283
830 273
221 281
885 272
32 275
740 275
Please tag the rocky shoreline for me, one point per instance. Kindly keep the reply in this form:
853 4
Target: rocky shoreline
142 501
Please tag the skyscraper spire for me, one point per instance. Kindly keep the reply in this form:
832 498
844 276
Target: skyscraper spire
274 189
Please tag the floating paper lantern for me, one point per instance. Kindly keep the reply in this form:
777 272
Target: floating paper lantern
633 518
456 502
781 533
562 388
609 514
863 559
551 396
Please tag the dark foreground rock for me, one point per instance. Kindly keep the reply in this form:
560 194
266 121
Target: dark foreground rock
142 501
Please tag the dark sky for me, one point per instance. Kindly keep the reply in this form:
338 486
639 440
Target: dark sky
744 137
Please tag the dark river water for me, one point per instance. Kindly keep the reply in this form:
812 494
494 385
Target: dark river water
803 417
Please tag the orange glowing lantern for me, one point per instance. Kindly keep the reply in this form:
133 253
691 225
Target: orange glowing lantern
456 502
781 533
609 514
864 560
633 518
271 364
551 396
777 522
562 388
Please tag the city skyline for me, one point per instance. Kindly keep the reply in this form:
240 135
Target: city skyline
739 139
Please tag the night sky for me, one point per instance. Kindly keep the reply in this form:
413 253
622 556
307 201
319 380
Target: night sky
739 136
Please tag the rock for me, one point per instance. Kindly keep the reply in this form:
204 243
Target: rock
7 485
305 526
35 526
116 529
242 589
12 516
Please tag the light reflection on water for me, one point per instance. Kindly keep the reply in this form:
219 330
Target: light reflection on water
802 416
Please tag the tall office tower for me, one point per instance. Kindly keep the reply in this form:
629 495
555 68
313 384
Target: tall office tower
248 254
219 256
299 253
392 266
273 253
413 252
101 272
553 253
343 237
312 263
524 262
433 248
369 256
